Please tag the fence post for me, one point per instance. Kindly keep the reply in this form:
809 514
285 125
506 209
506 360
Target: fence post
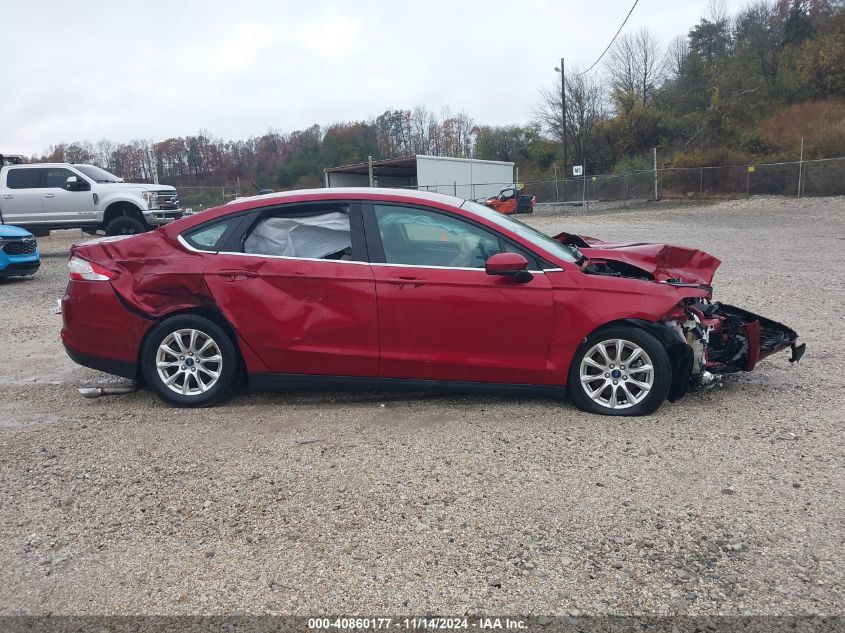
701 181
655 173
584 188
370 169
800 166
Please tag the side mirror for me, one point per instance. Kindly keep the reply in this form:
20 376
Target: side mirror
511 265
75 184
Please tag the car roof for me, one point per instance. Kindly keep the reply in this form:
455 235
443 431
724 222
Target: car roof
32 165
349 193
316 195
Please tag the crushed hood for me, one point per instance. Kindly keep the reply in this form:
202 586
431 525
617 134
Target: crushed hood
662 261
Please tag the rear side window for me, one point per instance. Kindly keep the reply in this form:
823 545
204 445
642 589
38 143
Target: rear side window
209 237
317 235
24 178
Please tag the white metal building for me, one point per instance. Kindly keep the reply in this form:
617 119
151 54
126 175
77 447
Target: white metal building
461 177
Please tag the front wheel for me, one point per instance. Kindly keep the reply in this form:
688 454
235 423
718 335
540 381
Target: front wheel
190 361
621 370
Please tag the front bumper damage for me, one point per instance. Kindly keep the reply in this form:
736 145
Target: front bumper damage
724 339
158 217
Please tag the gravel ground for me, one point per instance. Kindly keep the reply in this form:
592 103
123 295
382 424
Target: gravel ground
727 502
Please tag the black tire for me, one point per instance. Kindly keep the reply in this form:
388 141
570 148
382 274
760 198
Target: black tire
125 225
227 367
626 378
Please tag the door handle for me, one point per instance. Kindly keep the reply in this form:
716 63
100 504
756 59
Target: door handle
402 281
49 195
8 196
237 275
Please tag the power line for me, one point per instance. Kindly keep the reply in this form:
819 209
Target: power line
611 41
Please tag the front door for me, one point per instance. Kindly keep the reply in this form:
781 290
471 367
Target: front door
296 286
441 316
60 205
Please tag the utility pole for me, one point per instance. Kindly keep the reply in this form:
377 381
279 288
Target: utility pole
370 169
562 71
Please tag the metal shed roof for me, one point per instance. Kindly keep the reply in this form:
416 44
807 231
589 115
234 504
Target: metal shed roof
401 167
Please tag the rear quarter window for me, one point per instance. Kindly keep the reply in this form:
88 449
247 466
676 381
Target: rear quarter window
209 237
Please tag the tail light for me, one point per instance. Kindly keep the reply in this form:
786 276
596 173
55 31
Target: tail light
82 270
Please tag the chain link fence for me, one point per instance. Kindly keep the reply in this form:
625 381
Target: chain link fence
202 198
823 177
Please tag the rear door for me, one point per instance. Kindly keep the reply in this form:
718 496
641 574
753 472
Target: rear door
441 316
295 284
21 198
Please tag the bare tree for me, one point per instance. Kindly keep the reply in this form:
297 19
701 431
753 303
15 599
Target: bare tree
717 10
421 124
676 56
636 66
585 107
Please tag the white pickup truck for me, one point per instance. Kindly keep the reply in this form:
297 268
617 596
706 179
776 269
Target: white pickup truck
45 196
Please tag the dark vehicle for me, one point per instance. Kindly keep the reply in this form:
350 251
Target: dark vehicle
10 159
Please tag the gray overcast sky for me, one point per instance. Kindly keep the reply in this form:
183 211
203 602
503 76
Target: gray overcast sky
152 69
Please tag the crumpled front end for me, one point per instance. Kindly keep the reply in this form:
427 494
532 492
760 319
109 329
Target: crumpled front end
725 339
657 262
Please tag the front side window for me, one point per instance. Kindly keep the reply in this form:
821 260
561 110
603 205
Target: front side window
56 177
26 178
527 233
426 238
326 235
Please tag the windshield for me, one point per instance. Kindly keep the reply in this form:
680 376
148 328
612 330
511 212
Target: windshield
530 234
98 175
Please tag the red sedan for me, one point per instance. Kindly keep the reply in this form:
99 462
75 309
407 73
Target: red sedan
384 287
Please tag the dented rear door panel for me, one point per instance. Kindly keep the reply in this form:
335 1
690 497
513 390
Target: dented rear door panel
300 316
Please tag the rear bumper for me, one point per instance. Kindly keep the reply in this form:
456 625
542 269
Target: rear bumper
98 331
125 369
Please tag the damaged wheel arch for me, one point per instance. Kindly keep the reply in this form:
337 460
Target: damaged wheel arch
680 353
204 312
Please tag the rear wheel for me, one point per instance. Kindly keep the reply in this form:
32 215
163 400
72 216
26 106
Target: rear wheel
621 370
125 225
190 361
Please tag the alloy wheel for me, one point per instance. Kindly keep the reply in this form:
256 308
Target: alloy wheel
189 362
616 374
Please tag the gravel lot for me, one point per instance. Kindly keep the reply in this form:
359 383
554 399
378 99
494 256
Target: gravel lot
727 502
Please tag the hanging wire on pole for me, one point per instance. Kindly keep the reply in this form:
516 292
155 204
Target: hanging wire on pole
611 41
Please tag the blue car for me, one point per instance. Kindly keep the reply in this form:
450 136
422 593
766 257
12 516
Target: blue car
19 256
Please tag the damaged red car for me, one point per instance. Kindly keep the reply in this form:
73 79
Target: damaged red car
380 287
